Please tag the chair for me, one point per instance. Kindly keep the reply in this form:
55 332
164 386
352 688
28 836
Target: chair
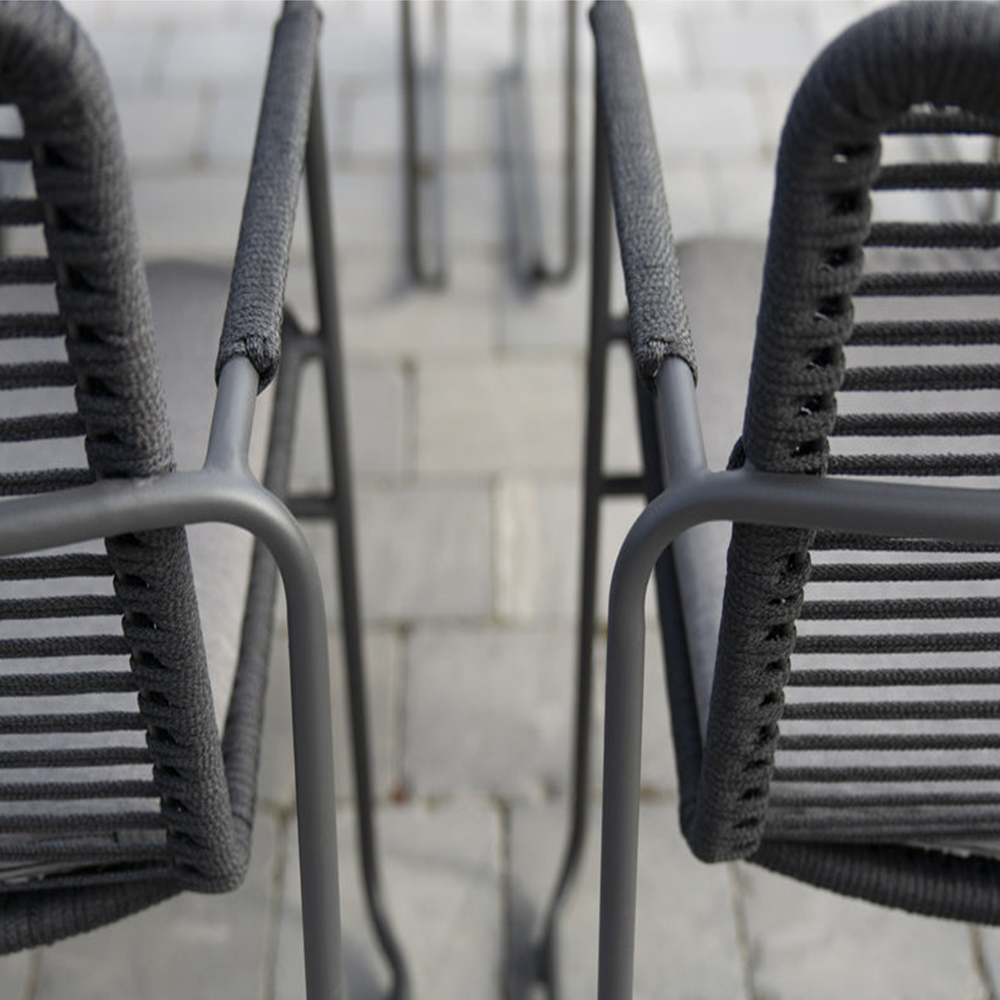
116 788
835 704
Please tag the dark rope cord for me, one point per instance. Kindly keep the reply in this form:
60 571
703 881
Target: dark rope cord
924 333
71 606
967 235
931 677
84 682
907 283
888 742
884 711
914 465
913 424
113 756
73 564
924 176
927 642
97 722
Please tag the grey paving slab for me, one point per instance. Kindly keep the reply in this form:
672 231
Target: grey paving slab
490 710
773 41
190 946
538 547
664 45
204 54
806 942
231 112
715 118
375 415
192 214
476 216
361 40
745 198
691 195
383 682
443 889
987 939
178 139
385 317
17 974
425 552
476 418
686 939
545 319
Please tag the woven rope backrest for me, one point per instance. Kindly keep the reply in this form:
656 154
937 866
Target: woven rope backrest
110 766
875 728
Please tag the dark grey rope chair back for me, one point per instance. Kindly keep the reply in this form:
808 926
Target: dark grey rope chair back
78 854
836 744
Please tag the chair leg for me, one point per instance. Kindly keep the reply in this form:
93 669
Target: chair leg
316 803
622 766
529 252
415 170
602 330
341 507
576 834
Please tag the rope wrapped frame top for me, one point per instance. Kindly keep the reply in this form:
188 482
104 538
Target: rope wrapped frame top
923 60
205 789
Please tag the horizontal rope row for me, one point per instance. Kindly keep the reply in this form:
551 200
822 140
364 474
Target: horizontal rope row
882 642
60 645
893 677
938 175
868 774
49 685
17 325
900 283
837 540
885 711
914 800
21 212
903 572
888 742
956 121
75 757
13 484
27 271
44 426
915 465
68 606
912 378
14 149
924 333
63 565
907 608
52 791
955 235
96 722
909 425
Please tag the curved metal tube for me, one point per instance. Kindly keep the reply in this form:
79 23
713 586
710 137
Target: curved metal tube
747 496
225 491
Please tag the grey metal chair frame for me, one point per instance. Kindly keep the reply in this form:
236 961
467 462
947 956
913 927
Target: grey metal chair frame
674 454
225 491
529 250
421 172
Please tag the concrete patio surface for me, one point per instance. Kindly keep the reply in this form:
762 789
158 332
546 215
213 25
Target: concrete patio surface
466 407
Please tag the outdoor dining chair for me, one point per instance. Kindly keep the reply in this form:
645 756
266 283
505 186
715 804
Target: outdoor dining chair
833 687
133 673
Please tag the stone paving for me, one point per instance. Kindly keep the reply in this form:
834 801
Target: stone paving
466 408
